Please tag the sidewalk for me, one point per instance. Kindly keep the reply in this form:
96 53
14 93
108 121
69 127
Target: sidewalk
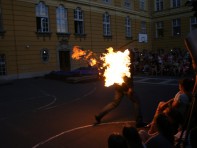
5 82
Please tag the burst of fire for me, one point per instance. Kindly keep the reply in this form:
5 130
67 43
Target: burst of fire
77 53
84 54
117 66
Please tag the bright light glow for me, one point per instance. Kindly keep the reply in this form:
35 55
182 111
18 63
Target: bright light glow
116 65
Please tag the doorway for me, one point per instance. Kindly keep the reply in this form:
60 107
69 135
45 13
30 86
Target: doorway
64 57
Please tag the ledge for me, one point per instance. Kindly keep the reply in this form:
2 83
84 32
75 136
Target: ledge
128 38
44 34
80 35
107 36
59 34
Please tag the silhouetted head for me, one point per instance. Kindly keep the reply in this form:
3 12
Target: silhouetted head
116 140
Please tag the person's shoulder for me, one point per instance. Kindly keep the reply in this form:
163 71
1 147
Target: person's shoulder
184 97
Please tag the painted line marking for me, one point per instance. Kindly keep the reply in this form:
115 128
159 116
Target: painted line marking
78 128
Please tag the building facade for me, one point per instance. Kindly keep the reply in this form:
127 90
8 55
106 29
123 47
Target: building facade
37 36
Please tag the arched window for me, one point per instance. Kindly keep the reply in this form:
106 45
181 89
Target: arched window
61 19
42 19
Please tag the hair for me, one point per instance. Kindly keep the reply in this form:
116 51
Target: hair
132 136
116 140
165 127
187 84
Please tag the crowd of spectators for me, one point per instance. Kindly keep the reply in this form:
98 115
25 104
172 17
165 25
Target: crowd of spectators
165 137
172 63
170 126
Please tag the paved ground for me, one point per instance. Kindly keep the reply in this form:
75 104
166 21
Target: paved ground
54 114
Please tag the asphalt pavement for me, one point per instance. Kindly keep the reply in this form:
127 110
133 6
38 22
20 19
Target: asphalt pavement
41 112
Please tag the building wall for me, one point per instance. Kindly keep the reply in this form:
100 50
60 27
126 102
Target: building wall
169 42
22 45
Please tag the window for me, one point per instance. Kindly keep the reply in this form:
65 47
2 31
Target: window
45 55
106 24
142 4
2 65
127 4
175 3
193 23
61 19
78 21
176 24
159 5
42 19
143 27
128 26
159 29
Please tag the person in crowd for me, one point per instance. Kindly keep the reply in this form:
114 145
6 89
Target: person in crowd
164 138
176 106
132 136
126 89
115 140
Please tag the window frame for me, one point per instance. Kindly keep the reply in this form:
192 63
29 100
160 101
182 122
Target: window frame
158 5
159 29
79 21
42 18
193 24
45 55
142 4
175 3
127 4
176 27
128 28
106 24
143 27
61 19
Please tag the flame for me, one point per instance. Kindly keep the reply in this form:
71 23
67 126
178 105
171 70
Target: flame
86 55
114 65
77 53
92 62
117 66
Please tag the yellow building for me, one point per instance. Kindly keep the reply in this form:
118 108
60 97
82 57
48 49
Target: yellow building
37 36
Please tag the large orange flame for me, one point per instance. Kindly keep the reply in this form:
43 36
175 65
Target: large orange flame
117 66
